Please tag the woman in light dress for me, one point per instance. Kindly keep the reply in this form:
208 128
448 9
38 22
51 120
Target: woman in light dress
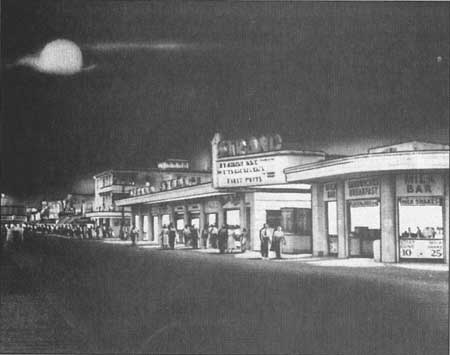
231 245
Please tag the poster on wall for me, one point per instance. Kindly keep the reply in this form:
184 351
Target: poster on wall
421 249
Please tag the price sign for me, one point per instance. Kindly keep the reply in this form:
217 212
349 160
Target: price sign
421 249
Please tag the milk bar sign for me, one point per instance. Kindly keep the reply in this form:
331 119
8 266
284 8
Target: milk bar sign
420 185
251 171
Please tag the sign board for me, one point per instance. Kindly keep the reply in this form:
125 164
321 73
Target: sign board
252 171
194 207
421 248
362 188
329 191
420 185
421 201
212 205
250 145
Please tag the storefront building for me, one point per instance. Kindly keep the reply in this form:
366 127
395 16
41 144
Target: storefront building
391 204
246 189
253 166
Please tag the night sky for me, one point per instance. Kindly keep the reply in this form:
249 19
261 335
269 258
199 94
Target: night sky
339 77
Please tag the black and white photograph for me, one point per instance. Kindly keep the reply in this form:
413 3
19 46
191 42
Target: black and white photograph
224 177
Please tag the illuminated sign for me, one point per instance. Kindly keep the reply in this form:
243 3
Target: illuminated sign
420 184
251 171
251 145
421 248
362 188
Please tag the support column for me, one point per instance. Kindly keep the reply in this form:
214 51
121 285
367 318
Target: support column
202 222
446 219
341 220
319 232
388 225
141 224
220 216
242 217
185 215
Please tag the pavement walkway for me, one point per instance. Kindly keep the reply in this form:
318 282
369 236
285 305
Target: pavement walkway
28 323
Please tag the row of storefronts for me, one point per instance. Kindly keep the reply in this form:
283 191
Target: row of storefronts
391 204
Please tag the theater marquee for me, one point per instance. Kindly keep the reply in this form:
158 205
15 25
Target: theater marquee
260 163
251 171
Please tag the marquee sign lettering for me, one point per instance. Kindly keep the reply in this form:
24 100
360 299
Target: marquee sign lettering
251 145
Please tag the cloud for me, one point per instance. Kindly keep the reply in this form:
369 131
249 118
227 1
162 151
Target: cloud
152 46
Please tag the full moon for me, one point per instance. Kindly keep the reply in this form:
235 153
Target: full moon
61 57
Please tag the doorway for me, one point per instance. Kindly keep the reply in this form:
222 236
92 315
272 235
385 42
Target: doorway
365 227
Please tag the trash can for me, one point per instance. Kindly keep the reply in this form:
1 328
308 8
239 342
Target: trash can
377 250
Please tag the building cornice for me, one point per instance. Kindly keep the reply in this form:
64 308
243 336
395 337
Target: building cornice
370 163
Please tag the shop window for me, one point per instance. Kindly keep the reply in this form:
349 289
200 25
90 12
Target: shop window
145 224
303 221
165 220
331 207
155 227
180 223
332 218
364 227
136 221
212 219
233 219
273 218
421 228
195 220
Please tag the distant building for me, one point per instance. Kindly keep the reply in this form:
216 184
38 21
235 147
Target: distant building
113 185
12 210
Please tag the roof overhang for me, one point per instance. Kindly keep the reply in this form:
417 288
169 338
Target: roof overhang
184 193
369 164
108 214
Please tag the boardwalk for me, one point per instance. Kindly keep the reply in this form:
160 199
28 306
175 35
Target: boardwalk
28 323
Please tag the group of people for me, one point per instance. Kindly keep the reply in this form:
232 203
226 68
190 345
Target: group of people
273 240
209 237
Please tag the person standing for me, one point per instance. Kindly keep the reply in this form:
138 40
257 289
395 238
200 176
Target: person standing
194 237
244 240
133 234
222 239
264 237
186 235
164 237
278 241
213 234
172 236
231 244
204 236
